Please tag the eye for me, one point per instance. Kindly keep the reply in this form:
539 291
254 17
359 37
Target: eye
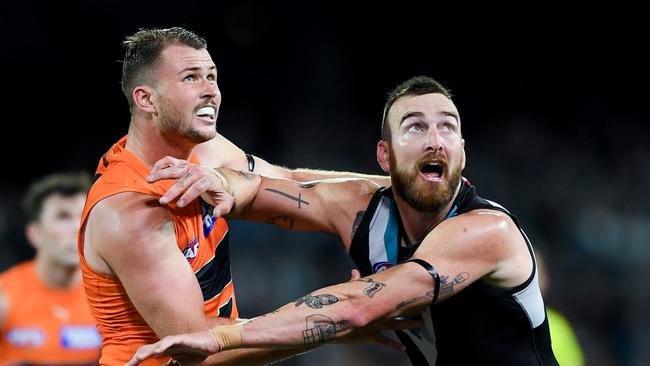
448 126
212 77
416 127
190 77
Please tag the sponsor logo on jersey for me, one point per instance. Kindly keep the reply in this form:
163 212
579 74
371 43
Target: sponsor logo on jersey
191 249
381 266
80 337
208 219
26 337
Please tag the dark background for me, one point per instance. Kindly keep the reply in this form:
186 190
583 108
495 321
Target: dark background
553 102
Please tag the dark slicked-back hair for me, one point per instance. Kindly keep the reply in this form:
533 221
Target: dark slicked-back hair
65 184
142 51
418 85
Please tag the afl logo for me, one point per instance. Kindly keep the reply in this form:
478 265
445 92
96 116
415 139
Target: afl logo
381 266
191 249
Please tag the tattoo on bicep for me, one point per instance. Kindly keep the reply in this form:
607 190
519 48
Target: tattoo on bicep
447 288
297 199
320 328
317 301
374 287
357 222
281 221
246 175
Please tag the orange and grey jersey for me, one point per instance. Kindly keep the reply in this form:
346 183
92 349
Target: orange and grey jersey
199 236
482 324
45 325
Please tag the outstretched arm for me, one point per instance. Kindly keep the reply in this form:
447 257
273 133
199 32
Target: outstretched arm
221 152
331 205
462 250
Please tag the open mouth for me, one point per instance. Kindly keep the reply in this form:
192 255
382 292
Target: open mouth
209 113
433 171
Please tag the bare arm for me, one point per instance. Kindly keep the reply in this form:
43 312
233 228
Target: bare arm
4 308
330 206
221 152
462 250
134 237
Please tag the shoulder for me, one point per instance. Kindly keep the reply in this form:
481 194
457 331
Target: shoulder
484 232
126 215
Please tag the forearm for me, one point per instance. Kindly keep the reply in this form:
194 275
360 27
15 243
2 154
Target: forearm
337 311
253 356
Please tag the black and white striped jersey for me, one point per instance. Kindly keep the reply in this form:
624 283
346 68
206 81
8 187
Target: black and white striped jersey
481 325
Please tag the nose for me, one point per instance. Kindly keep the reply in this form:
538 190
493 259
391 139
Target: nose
433 142
210 89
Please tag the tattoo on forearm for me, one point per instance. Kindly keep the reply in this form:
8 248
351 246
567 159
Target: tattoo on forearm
320 328
317 301
247 175
281 221
428 295
446 289
357 222
297 199
374 287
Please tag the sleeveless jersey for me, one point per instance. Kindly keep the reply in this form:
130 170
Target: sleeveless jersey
202 239
45 325
482 324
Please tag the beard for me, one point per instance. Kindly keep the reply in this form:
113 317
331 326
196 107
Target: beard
419 194
174 120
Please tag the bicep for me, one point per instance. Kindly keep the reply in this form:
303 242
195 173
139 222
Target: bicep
140 248
465 249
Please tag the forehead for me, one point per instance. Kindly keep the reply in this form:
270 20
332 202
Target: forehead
59 201
430 105
177 57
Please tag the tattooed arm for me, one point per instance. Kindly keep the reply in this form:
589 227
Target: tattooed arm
333 206
480 244
220 152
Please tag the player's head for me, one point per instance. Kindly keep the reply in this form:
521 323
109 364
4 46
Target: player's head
169 77
53 207
422 146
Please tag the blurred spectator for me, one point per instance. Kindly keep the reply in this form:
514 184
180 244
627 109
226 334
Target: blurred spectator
44 317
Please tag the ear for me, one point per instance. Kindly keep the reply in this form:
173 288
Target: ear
383 153
462 166
32 234
143 98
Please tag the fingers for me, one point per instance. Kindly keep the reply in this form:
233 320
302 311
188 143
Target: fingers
195 181
224 205
142 354
168 168
354 274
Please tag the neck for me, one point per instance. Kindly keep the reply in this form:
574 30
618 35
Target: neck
417 224
150 144
57 275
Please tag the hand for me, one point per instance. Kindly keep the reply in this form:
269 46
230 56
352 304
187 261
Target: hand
186 349
192 181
